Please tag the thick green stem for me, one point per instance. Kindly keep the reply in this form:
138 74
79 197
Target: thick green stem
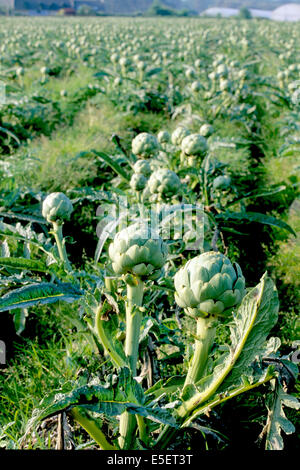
106 341
205 337
109 285
91 426
133 324
60 243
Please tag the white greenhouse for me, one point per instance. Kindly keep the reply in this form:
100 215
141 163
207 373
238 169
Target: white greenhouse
288 12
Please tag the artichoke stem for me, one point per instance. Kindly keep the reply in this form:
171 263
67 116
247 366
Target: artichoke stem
133 324
60 243
205 337
91 426
109 285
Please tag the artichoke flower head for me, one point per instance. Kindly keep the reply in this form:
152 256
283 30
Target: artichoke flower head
57 207
138 250
164 182
144 145
209 285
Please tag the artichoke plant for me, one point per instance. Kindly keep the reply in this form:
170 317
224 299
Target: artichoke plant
209 285
57 207
194 146
140 253
144 145
138 250
164 183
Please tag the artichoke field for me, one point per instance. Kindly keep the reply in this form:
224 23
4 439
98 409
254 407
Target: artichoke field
149 234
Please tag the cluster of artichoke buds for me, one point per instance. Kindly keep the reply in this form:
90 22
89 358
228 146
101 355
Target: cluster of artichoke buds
138 250
209 285
145 145
164 183
57 208
142 171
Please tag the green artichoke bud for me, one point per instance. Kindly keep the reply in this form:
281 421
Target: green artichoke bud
222 182
57 207
142 167
138 250
164 182
194 144
163 137
138 182
178 135
206 130
209 285
144 145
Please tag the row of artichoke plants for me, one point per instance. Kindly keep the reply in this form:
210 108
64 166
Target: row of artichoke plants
209 288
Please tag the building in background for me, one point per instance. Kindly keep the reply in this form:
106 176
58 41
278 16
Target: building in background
288 12
9 4
227 12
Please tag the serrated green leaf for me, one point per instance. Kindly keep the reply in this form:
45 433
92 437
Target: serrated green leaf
256 217
277 420
39 293
24 263
121 394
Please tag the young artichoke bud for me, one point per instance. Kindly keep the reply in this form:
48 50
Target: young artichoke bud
206 130
138 182
194 145
57 207
163 137
209 285
138 250
178 135
144 145
222 182
164 182
142 167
